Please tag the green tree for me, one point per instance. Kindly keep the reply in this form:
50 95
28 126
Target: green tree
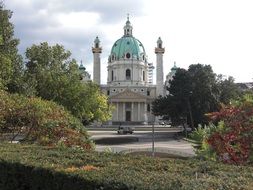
55 76
228 89
11 61
205 92
193 93
5 71
174 106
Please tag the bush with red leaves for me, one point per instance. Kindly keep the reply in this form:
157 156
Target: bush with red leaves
234 143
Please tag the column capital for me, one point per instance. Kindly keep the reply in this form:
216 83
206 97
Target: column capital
159 50
97 50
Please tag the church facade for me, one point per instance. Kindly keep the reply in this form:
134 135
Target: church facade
129 78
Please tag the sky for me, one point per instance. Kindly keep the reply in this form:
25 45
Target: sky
211 32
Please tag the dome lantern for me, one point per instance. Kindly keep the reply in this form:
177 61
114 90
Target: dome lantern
128 29
81 67
127 47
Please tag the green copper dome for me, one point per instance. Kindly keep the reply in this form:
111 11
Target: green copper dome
127 47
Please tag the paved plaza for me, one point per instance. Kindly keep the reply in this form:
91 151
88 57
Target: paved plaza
166 140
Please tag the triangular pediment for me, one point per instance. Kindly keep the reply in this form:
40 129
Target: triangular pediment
129 95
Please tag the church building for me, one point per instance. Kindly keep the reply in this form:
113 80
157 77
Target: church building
129 78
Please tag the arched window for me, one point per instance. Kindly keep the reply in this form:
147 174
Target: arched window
160 45
112 76
128 74
96 45
143 75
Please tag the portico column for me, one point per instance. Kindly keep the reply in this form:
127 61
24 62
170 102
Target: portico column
117 105
145 113
138 111
132 111
124 111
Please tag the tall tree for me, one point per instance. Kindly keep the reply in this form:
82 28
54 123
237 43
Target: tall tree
175 106
10 59
205 92
192 94
5 71
55 76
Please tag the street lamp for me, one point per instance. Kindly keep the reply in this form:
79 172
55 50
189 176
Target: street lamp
153 139
190 109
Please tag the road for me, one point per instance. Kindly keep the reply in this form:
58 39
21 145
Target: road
166 141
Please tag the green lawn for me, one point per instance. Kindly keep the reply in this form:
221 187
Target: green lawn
35 167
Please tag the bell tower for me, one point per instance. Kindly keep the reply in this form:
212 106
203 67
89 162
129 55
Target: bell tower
159 50
96 50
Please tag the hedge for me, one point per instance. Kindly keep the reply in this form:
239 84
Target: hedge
32 167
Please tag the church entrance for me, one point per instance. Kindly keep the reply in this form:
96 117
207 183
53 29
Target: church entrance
128 115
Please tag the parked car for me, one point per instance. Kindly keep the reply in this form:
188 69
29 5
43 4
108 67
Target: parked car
162 123
125 130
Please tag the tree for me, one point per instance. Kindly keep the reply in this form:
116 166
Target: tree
55 76
173 106
11 61
192 93
205 93
228 89
5 71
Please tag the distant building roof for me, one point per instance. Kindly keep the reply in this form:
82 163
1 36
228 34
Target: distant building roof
245 85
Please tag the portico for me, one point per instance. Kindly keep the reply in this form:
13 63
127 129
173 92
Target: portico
131 107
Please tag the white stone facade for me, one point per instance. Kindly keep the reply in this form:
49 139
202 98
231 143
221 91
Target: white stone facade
129 85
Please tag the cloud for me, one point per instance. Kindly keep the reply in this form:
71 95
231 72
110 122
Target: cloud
215 32
74 24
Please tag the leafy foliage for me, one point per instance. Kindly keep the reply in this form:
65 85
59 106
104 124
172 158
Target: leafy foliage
228 89
231 140
11 64
50 73
5 71
201 133
50 168
234 143
193 93
50 67
204 97
39 121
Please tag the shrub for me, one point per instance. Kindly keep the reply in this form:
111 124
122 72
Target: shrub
232 140
35 167
38 121
202 132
